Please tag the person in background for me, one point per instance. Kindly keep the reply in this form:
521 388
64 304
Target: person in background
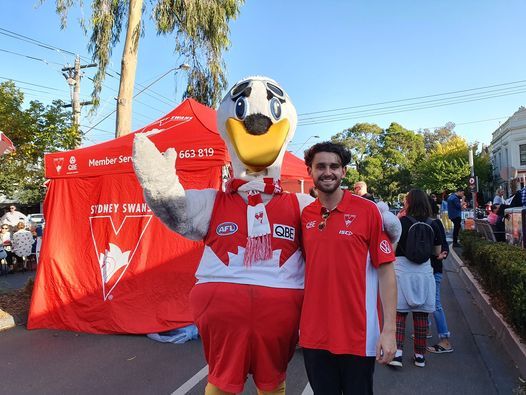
433 201
415 281
492 216
12 218
443 345
348 260
5 238
499 196
487 208
22 243
454 212
360 189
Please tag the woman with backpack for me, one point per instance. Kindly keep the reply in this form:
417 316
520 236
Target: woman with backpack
420 240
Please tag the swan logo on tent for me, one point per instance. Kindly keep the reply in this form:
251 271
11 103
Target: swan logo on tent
58 163
115 247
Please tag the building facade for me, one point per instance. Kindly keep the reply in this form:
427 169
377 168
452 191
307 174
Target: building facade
508 153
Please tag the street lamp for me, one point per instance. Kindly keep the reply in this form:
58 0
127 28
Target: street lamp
305 142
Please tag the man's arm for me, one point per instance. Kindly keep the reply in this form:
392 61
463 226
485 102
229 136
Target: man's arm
386 347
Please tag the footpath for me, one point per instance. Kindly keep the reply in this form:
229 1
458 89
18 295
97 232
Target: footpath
487 357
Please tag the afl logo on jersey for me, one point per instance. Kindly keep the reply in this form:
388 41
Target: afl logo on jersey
226 228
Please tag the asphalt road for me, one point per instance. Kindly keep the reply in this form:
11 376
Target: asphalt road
59 362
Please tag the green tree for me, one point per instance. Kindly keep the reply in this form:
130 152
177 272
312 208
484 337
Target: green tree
446 167
384 159
401 153
362 140
201 35
438 136
34 131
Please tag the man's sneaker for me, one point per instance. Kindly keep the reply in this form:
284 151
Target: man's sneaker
419 361
397 361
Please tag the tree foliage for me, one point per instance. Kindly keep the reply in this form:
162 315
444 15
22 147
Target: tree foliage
34 131
201 35
438 136
395 160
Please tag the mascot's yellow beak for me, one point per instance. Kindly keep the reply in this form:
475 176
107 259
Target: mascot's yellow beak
257 152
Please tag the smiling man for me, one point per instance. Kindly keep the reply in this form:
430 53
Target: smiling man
348 261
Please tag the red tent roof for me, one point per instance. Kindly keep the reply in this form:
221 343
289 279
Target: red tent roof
294 167
190 128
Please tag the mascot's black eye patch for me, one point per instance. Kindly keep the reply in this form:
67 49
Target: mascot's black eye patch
243 89
274 91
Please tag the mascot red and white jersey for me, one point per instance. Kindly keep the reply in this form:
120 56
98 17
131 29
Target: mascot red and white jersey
223 257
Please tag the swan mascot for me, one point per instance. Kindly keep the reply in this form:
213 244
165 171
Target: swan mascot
249 291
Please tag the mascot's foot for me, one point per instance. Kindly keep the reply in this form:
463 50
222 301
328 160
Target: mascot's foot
280 390
211 389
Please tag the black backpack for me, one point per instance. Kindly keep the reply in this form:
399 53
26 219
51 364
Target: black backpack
420 240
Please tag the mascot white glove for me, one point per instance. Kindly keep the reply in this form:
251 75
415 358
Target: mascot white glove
162 190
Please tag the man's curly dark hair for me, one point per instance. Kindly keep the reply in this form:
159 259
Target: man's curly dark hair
328 146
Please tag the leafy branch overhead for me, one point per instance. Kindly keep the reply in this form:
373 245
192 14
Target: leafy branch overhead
201 35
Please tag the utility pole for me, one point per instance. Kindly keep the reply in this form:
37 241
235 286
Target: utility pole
128 69
72 76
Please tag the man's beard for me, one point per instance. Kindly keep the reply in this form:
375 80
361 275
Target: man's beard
320 187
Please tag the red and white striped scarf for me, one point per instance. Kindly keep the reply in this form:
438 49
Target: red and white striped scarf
259 241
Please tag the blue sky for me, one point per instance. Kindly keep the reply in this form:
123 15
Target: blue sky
327 55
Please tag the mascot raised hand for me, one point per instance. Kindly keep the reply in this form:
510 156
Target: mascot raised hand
249 291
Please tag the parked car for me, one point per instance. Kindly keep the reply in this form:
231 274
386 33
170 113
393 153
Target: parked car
36 219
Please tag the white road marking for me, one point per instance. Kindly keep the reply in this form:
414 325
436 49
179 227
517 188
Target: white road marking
192 382
308 390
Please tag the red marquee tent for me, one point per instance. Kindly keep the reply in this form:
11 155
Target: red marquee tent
107 264
294 176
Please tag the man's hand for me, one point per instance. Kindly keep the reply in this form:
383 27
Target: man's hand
442 255
386 348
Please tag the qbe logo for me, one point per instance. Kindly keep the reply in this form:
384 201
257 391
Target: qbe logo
284 232
226 228
72 163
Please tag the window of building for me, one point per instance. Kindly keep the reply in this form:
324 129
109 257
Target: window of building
522 152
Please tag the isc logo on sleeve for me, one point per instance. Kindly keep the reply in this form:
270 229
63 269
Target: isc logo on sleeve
283 232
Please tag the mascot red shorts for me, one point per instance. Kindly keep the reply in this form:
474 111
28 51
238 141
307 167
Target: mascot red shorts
246 329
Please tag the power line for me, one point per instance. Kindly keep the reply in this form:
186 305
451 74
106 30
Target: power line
413 98
29 57
332 116
51 47
37 85
33 41
417 106
137 101
467 123
137 94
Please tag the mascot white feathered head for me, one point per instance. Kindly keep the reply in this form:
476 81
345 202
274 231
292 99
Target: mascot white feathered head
257 120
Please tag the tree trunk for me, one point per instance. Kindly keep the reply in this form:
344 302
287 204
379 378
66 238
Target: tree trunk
128 68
